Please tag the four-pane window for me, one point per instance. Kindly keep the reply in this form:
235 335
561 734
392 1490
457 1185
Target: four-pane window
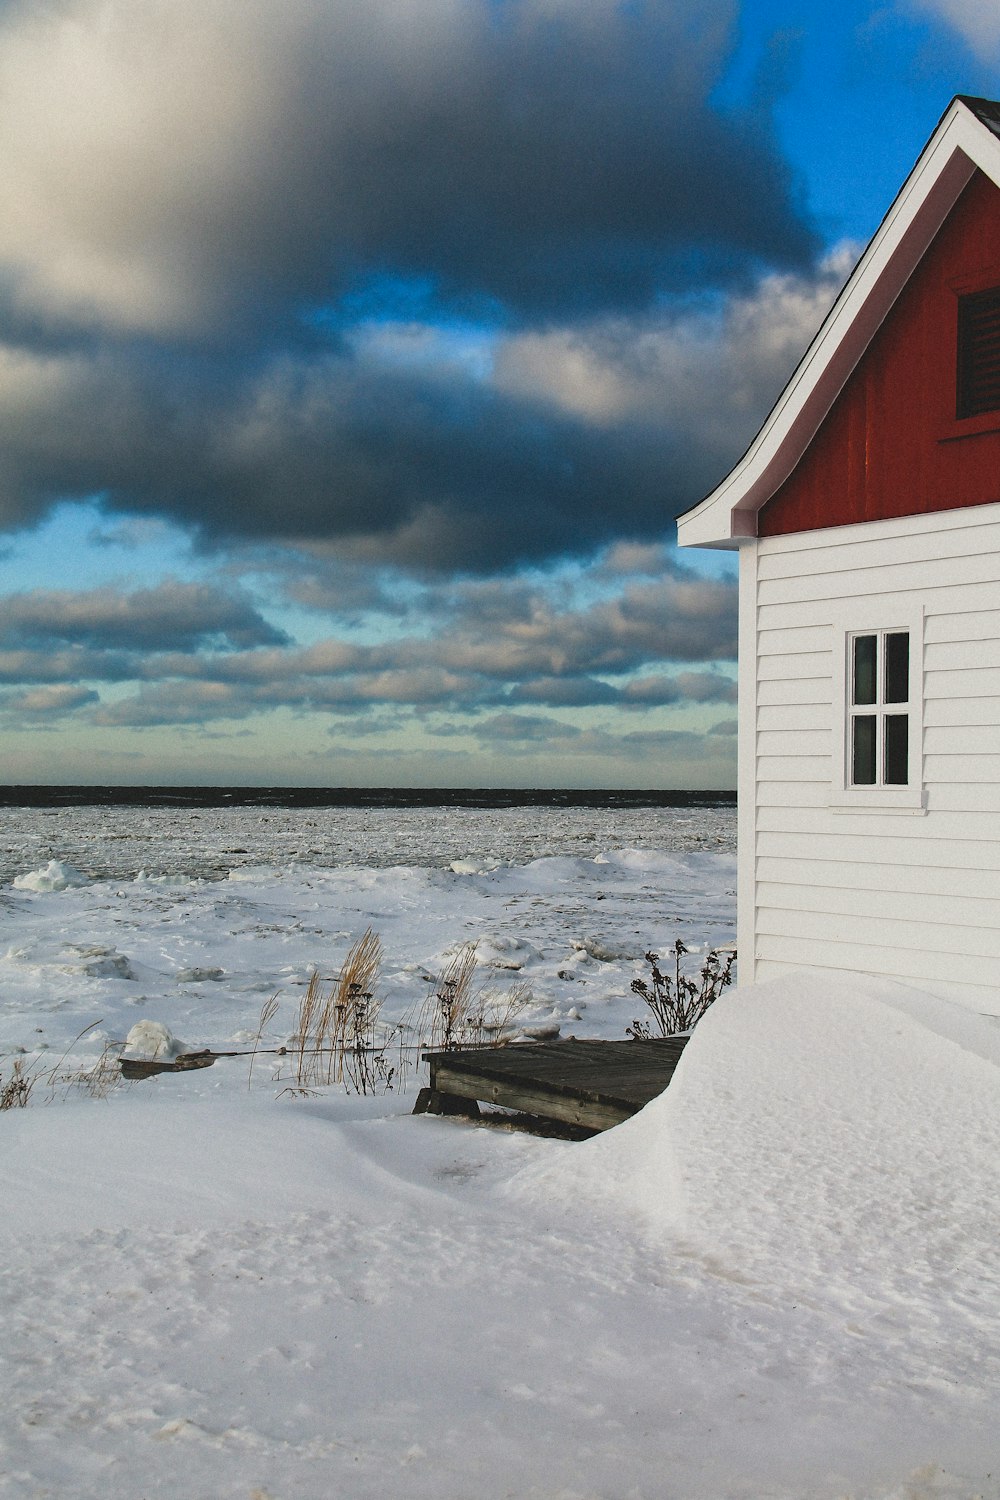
879 730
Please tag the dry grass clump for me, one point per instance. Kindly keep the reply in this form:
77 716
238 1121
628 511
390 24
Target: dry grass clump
338 1037
457 1014
104 1075
268 1011
97 1081
15 1089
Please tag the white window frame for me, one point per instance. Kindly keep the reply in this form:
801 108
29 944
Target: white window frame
877 617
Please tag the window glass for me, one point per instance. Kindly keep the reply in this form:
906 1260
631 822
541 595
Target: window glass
897 667
896 747
865 668
863 758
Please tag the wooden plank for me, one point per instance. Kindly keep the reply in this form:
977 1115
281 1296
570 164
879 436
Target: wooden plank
588 1083
148 1067
531 1100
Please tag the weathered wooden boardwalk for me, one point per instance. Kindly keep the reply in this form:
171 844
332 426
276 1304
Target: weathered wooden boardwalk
589 1084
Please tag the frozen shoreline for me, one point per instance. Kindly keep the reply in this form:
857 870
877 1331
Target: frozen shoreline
115 843
566 904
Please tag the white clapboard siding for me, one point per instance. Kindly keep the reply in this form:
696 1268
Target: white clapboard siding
971 981
930 940
947 740
912 893
970 681
965 858
791 718
837 553
857 907
956 599
960 655
861 583
948 773
805 690
907 879
792 796
969 625
891 849
796 666
819 820
795 768
958 712
797 742
789 641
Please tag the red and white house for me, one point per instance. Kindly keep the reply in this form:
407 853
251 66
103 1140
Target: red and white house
867 518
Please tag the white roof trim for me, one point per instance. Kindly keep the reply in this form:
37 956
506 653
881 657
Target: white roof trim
960 144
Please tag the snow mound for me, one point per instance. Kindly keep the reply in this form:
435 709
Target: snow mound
820 1138
603 950
109 965
55 876
500 951
152 1039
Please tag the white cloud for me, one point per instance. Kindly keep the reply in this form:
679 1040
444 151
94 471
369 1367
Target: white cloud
976 21
701 371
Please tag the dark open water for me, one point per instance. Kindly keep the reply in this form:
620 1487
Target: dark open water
346 796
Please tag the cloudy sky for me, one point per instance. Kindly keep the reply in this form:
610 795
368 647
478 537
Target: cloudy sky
356 356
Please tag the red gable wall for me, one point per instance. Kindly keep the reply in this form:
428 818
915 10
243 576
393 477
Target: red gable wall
891 445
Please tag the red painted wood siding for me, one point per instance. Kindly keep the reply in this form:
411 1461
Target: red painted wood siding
891 444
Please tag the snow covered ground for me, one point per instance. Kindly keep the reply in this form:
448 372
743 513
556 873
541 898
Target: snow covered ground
780 1281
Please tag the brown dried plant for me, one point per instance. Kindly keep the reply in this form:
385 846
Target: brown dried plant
678 1002
268 1011
456 1014
15 1090
338 1035
444 1018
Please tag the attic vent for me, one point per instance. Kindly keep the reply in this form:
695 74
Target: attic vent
979 353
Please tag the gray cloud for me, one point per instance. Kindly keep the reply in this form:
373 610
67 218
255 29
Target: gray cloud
44 703
689 687
432 472
581 436
491 644
172 616
179 163
531 729
565 692
69 665
208 209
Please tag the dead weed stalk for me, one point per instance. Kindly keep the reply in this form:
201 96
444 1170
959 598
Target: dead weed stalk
15 1090
457 1014
339 1036
677 1003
